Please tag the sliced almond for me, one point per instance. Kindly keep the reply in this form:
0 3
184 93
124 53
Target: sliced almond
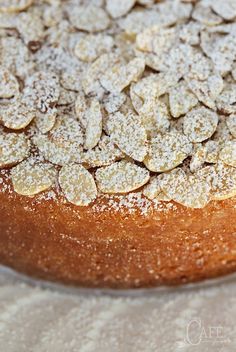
113 102
167 151
30 178
90 47
223 182
157 40
14 5
43 90
212 151
181 99
227 99
121 177
91 79
205 15
129 134
231 123
64 142
9 86
94 125
46 121
153 190
200 124
155 116
228 153
77 184
17 115
190 191
116 78
118 8
89 18
153 86
67 132
13 148
222 132
105 153
58 154
225 9
198 157
80 109
207 91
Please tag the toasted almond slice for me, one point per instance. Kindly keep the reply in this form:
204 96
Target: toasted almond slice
105 153
90 47
114 102
89 18
181 99
94 125
121 177
190 191
43 90
77 184
226 9
64 142
67 133
9 86
118 8
153 190
13 148
207 91
14 5
116 78
222 133
16 115
205 15
55 153
227 99
46 121
129 134
155 116
198 157
153 86
81 108
190 33
212 151
91 78
167 151
228 153
223 181
162 197
30 178
200 124
157 40
231 123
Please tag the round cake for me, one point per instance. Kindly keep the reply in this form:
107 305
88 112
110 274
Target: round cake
118 140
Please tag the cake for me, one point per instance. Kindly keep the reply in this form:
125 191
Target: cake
118 140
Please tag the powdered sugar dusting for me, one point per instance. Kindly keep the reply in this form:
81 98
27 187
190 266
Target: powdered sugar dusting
123 92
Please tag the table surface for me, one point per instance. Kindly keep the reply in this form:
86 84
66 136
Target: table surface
42 319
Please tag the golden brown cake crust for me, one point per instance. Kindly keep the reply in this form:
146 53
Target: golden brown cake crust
116 247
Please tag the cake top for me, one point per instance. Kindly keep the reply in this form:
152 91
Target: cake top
119 96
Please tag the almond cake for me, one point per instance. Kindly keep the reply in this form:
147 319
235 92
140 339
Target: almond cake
118 140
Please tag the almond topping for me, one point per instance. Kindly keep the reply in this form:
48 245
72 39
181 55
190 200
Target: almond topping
77 184
121 177
200 124
228 153
167 151
30 178
13 148
129 134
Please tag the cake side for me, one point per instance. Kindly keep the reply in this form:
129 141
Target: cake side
119 247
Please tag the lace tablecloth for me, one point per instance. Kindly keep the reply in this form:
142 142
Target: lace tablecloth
38 319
